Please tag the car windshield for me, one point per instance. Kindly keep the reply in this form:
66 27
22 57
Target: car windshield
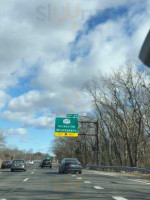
75 99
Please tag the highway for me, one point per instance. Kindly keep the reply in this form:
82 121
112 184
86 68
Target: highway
44 184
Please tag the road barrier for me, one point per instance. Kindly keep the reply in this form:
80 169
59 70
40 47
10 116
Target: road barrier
122 169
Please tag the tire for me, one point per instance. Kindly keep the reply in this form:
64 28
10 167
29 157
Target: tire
80 172
12 170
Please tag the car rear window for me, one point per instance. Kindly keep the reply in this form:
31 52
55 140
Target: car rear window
18 161
73 160
46 161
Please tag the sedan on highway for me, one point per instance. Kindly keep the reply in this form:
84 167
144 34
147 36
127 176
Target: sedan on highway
6 164
18 165
46 163
70 165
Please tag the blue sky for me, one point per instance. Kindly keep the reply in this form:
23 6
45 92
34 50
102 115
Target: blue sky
46 63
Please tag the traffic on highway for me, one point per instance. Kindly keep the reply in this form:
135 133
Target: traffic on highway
48 183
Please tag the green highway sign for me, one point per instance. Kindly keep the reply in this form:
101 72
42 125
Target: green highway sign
66 127
72 115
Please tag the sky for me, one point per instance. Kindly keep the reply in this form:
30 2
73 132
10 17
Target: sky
49 49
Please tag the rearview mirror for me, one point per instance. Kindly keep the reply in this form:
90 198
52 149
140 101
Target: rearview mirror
145 51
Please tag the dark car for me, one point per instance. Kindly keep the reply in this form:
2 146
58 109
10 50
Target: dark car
70 165
46 163
18 165
6 164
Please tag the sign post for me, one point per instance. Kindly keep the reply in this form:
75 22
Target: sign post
72 115
66 127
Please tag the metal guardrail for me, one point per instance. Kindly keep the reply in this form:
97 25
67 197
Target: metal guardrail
117 169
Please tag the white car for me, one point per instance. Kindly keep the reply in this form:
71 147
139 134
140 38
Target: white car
31 162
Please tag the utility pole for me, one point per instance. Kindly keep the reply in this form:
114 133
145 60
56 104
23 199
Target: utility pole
96 136
97 143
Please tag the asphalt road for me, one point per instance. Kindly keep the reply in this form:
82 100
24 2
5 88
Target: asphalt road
44 184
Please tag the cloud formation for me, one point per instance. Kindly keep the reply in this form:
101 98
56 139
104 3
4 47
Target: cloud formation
50 49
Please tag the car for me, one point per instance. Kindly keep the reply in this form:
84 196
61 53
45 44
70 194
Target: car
46 163
18 164
70 165
5 164
30 162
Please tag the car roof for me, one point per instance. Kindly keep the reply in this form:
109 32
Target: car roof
19 159
6 161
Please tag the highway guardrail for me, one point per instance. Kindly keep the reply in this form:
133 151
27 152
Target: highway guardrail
117 169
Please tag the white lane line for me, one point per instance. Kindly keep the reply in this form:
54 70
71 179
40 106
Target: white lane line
79 178
32 172
87 182
119 198
73 175
140 181
98 188
3 199
26 179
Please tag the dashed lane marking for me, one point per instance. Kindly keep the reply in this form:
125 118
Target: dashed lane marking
98 188
119 198
79 178
87 182
140 181
26 179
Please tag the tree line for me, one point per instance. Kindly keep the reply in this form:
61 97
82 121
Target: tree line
7 153
121 104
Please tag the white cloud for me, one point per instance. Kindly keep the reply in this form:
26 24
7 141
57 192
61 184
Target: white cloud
18 131
4 98
31 32
31 101
29 120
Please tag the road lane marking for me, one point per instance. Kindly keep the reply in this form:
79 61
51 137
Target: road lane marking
73 175
3 199
32 172
98 188
140 181
87 182
26 179
79 178
119 198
